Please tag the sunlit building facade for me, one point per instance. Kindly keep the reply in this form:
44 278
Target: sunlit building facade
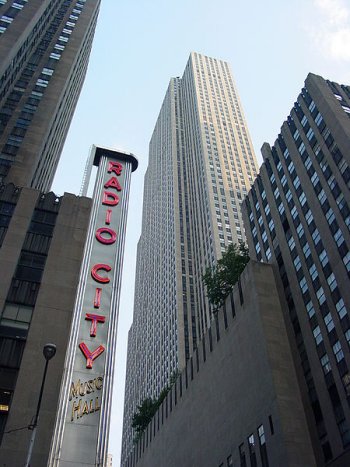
44 53
201 165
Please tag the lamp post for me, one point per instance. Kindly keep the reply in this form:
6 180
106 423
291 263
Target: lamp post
49 351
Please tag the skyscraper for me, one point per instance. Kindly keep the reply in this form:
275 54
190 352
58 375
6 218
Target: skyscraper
44 52
201 165
297 216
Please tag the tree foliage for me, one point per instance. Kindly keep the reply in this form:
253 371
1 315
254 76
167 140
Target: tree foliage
148 407
221 278
143 416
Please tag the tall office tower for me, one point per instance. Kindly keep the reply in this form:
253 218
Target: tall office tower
44 52
297 215
201 165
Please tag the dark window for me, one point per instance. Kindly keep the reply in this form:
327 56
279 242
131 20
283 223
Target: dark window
242 457
252 454
272 430
262 445
5 402
327 451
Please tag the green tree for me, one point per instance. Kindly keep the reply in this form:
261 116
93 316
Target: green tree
148 407
221 278
143 416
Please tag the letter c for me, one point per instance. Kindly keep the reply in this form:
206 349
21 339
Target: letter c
96 276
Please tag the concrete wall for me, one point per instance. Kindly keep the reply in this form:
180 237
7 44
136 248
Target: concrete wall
241 374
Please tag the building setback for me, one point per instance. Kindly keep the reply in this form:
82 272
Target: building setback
201 165
42 241
44 53
297 216
237 401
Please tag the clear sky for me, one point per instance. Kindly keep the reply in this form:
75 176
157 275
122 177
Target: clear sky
271 45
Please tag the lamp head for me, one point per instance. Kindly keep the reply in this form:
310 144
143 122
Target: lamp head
49 351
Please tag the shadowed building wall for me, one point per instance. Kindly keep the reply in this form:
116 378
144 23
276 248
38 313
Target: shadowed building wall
297 216
237 402
41 254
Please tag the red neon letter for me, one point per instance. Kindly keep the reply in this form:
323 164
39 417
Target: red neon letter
96 276
115 167
113 183
97 299
110 199
108 216
104 240
91 356
95 319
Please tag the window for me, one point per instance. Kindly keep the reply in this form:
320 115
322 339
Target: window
262 445
313 272
294 213
300 231
297 263
310 134
16 316
304 121
303 285
330 216
347 336
338 352
322 196
310 309
302 199
338 237
332 281
326 366
296 182
309 217
242 457
317 335
323 257
328 321
346 261
341 309
318 119
316 236
229 461
291 243
306 250
321 295
252 454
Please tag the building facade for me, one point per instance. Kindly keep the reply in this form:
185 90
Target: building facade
201 165
44 53
297 216
237 402
42 244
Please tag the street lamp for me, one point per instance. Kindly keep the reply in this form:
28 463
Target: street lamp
49 351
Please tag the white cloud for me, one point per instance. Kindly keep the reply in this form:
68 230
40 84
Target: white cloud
330 31
335 10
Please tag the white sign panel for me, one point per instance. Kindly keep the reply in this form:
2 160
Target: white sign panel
82 423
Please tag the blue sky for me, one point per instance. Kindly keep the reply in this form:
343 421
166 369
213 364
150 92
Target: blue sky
271 45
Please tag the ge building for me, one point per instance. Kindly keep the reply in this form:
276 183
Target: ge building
201 166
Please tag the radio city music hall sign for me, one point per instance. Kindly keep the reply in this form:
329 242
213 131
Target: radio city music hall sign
106 236
84 407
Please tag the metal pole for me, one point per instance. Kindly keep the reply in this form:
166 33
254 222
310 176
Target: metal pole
36 418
